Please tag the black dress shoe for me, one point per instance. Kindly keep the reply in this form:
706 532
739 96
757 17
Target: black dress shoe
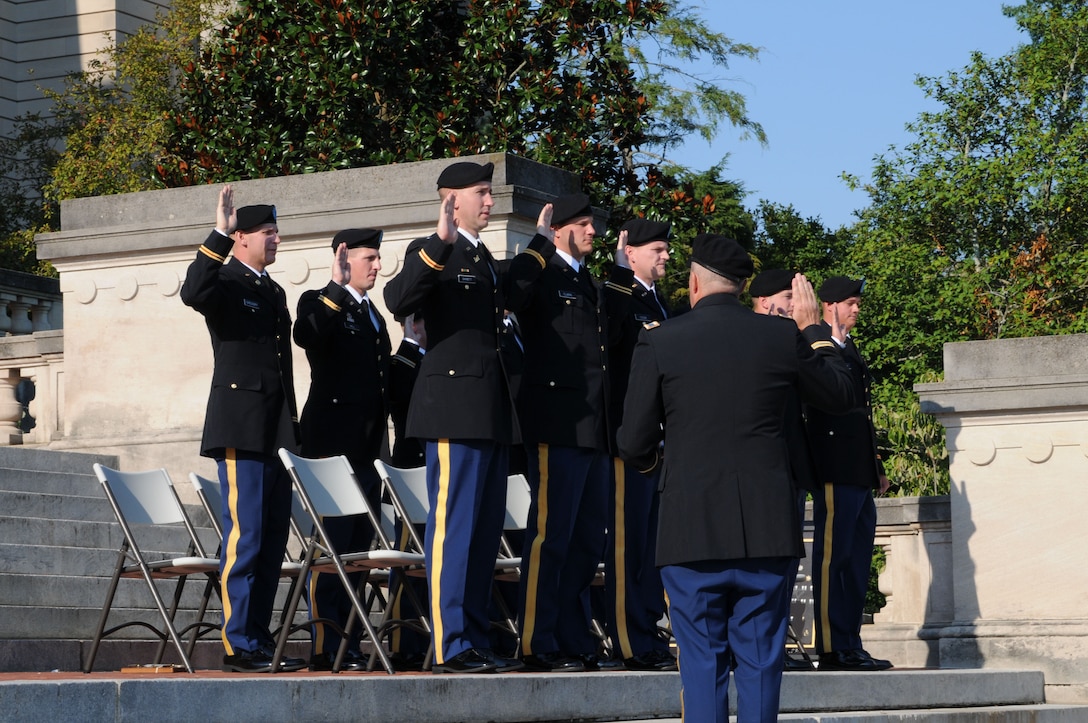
246 662
797 664
552 663
407 662
655 661
503 665
470 661
354 662
592 662
287 664
852 661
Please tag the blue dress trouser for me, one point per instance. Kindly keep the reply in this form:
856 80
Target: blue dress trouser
844 519
256 522
636 598
564 545
466 487
729 615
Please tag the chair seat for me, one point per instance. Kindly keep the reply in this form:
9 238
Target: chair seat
373 560
162 569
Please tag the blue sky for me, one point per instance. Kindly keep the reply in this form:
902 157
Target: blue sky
834 87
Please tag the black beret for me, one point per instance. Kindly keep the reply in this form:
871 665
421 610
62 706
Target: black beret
840 288
356 237
770 282
464 174
253 216
569 207
641 231
722 255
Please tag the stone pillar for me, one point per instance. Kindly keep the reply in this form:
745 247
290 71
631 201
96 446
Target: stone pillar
1016 418
11 411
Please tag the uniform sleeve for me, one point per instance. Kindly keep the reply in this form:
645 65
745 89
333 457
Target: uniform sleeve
424 260
318 314
824 377
525 271
639 437
201 288
617 302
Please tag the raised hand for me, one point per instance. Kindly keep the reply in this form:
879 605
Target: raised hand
341 269
806 307
447 224
226 217
544 223
621 251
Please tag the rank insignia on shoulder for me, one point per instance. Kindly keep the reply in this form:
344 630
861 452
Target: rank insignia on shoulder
651 325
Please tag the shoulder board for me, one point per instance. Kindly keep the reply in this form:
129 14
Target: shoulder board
651 325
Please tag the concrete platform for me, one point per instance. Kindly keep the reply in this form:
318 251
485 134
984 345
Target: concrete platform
952 696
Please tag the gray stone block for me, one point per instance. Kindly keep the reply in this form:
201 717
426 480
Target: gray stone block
57 507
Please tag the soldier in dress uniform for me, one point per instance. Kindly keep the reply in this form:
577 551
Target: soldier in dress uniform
714 382
772 295
462 409
563 405
348 348
251 414
848 469
634 594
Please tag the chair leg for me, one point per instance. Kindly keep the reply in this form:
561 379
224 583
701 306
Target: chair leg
105 612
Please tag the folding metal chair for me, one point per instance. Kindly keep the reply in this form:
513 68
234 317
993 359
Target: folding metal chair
328 488
141 500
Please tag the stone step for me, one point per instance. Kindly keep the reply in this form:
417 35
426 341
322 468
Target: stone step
94 562
48 460
93 535
64 591
59 483
943 696
57 507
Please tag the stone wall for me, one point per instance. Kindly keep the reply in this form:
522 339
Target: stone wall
1016 416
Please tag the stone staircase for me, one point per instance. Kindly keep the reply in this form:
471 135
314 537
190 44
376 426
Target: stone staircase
58 541
58 545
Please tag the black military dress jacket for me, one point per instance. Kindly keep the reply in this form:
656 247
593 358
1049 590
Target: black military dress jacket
461 391
718 379
630 307
345 411
403 370
251 406
564 395
843 446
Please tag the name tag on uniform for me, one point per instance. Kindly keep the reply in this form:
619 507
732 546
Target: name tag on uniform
643 318
350 323
568 295
466 278
251 304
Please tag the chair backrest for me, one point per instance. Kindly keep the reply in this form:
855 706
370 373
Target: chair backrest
518 499
144 498
409 485
330 484
210 494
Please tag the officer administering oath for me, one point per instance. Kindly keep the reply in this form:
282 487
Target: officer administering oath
251 414
715 381
461 407
348 348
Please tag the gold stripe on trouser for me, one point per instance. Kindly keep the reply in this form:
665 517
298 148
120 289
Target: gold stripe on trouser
402 544
230 550
619 561
824 644
534 554
319 628
438 545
